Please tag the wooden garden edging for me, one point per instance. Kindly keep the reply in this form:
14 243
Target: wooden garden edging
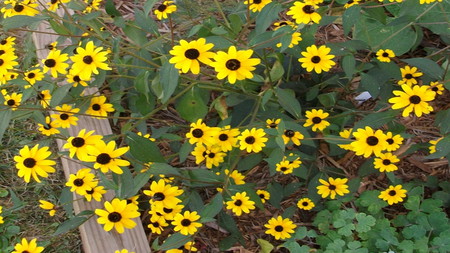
94 238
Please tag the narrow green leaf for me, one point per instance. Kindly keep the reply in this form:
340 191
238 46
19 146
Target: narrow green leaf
70 224
59 94
348 64
142 85
110 8
191 105
5 115
185 150
144 149
137 35
267 15
212 208
174 241
350 17
376 120
428 66
287 99
266 247
164 168
169 80
277 71
328 99
148 6
21 20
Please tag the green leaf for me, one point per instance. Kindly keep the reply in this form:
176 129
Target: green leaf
148 6
431 206
365 222
73 222
376 120
142 85
350 18
443 121
5 115
414 231
442 148
328 99
295 247
287 99
249 162
277 71
191 106
370 84
212 208
135 34
235 23
140 180
266 247
266 17
203 177
413 203
110 8
169 80
59 94
428 67
174 241
164 169
348 64
21 20
144 149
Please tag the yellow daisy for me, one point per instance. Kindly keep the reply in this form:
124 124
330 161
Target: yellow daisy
305 204
304 13
65 116
280 228
393 194
332 187
369 142
240 203
413 99
99 108
27 247
34 163
106 157
386 162
187 55
162 11
385 55
409 75
317 59
118 215
186 223
257 5
56 63
88 60
252 140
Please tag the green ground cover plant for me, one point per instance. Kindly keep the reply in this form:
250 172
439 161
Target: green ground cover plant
266 125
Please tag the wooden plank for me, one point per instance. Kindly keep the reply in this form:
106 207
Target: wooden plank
95 239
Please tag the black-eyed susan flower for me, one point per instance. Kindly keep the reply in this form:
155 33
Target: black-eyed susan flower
212 155
351 3
386 162
88 60
50 127
133 200
77 145
409 75
166 212
92 5
157 224
82 181
106 157
163 194
7 63
393 194
280 228
413 99
252 140
291 135
118 215
284 167
95 193
34 163
317 59
295 39
65 116
26 246
304 13
279 24
332 187
240 203
316 119
294 160
305 204
263 195
147 136
99 108
200 133
237 177
14 7
346 134
13 100
46 205
433 143
234 64
53 5
186 223
226 138
394 141
190 247
76 80
437 87
257 5
56 63
44 97
385 55
33 76
188 55
273 123
162 10
368 142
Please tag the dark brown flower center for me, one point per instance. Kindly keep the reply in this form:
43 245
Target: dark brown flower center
289 133
114 217
31 75
262 196
96 107
50 47
233 64
2 52
88 59
155 224
283 24
167 210
64 116
435 88
103 158
78 182
192 53
308 9
47 127
408 76
372 140
53 1
162 7
386 161
273 125
256 1
76 79
223 137
211 155
415 99
11 102
238 202
316 120
1 62
332 187
159 196
185 222
50 63
250 140
18 8
304 203
315 59
90 191
279 228
29 162
283 168
385 54
3 42
390 141
350 2
78 142
392 193
197 133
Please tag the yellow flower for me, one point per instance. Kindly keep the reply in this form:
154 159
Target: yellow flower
239 203
385 162
234 64
88 60
76 79
33 76
212 155
56 63
157 224
369 142
317 59
13 100
252 140
304 12
95 193
413 99
295 39
393 195
33 162
82 182
409 75
187 55
394 141
226 139
305 204
437 87
351 3
263 195
164 195
26 8
284 167
257 5
280 228
99 108
346 134
316 118
106 157
117 214
433 145
53 5
186 223
44 97
237 177
200 133
294 136
49 128
332 187
273 123
29 247
167 7
78 145
7 63
65 117
48 206
385 55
